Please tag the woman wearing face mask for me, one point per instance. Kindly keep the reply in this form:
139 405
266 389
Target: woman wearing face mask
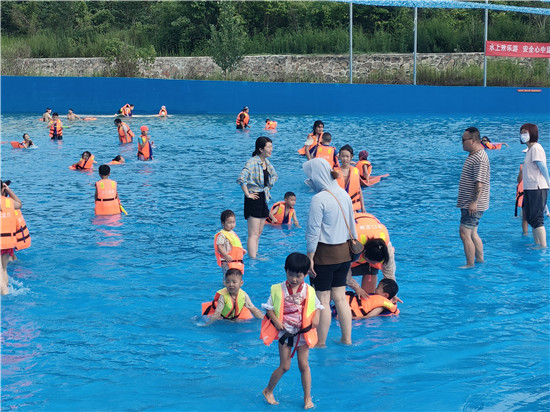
327 233
535 182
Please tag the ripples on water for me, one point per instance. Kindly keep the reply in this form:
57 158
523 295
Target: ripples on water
104 312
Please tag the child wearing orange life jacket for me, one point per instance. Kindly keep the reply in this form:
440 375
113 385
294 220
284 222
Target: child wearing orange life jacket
106 194
292 318
270 124
56 128
324 151
243 118
145 146
86 162
125 134
231 302
382 303
163 112
491 146
364 166
282 213
118 160
227 245
25 144
9 203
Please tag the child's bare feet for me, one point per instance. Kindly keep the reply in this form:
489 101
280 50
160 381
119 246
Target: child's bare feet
308 403
268 395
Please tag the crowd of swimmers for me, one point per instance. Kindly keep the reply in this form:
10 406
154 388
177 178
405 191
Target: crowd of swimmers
293 309
15 234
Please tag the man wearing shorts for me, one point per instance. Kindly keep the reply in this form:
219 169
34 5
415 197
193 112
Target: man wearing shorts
473 195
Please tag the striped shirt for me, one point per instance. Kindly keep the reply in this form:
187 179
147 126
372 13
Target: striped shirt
476 169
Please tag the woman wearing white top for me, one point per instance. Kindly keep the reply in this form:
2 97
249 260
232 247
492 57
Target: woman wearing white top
535 182
326 244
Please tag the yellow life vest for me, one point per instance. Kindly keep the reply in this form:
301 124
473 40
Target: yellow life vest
269 332
236 252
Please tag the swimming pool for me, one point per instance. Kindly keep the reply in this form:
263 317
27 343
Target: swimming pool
103 312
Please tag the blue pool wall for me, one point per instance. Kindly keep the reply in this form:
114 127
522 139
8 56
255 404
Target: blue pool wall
100 95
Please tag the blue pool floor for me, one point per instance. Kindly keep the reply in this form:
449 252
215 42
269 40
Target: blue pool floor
104 313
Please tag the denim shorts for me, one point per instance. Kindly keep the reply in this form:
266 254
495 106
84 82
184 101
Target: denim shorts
470 222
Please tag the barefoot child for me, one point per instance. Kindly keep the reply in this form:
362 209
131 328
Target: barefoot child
231 302
292 318
227 245
283 212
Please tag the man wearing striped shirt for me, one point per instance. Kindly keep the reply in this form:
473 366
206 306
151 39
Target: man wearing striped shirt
473 195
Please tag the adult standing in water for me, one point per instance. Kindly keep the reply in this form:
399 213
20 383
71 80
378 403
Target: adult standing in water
535 182
473 195
327 234
256 180
243 119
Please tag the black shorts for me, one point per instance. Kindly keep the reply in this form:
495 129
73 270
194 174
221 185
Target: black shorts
534 203
330 276
364 269
256 208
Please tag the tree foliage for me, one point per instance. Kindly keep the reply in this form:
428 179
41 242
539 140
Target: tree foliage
126 59
227 39
183 28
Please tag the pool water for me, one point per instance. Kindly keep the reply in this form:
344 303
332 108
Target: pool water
104 312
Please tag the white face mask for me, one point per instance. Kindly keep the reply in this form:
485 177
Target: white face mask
524 137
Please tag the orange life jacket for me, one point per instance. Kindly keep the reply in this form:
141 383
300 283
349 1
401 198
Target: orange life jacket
280 215
125 110
269 332
361 307
244 122
17 145
145 152
23 237
369 227
270 125
492 146
233 308
8 224
114 162
163 112
327 153
83 164
107 202
360 165
353 187
312 146
56 129
121 135
519 193
236 252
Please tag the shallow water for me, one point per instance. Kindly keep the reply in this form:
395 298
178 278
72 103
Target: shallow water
104 312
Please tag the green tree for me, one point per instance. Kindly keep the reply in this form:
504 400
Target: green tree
227 40
126 59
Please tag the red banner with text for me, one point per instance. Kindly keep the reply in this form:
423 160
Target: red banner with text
517 49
